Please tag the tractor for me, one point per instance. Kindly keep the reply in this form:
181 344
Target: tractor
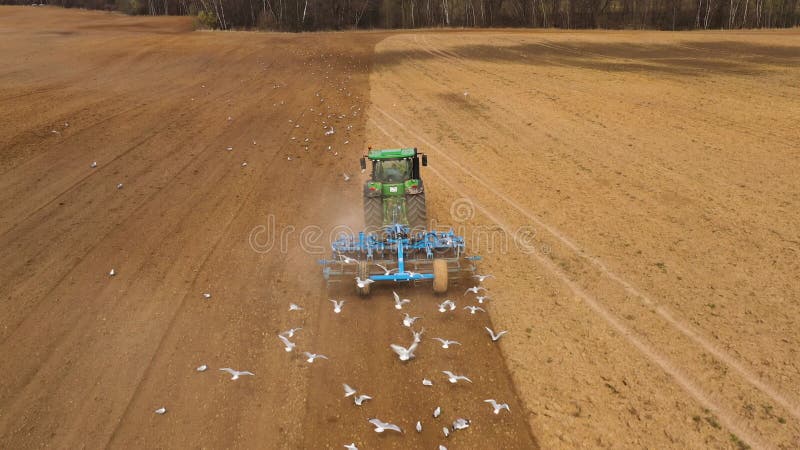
397 246
394 194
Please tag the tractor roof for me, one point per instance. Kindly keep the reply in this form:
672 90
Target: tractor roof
392 153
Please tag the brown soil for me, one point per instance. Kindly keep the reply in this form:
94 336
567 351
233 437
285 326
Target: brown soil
652 299
88 357
646 187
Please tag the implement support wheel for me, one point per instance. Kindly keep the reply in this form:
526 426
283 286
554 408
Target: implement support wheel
439 276
363 273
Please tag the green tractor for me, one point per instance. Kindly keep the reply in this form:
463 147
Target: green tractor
394 194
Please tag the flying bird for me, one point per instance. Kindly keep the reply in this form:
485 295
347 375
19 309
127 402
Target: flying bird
453 378
235 374
482 298
337 306
295 307
472 309
347 260
381 426
386 270
363 283
408 320
494 336
361 399
475 289
348 391
417 335
290 332
312 356
481 278
288 345
461 424
497 406
447 343
398 302
351 446
404 353
447 304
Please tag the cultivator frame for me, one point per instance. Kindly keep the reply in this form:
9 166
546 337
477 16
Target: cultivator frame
409 257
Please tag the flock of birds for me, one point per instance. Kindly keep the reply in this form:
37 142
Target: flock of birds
405 354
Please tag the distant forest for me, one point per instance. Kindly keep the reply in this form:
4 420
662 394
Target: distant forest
302 15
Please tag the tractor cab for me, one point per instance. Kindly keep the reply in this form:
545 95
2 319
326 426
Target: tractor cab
394 194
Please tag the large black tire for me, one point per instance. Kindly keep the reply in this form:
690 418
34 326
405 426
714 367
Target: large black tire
363 273
416 212
373 213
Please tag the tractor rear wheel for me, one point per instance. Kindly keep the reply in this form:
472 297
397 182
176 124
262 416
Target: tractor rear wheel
416 212
363 273
373 214
439 276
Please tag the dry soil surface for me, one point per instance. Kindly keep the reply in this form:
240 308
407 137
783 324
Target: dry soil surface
634 195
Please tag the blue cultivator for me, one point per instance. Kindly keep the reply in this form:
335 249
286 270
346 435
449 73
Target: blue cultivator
400 256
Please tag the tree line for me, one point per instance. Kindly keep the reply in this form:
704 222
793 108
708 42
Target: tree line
302 15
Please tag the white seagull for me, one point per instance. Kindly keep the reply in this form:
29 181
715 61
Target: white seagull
447 304
381 426
481 278
119 186
461 424
404 353
363 283
288 345
202 368
472 309
419 427
206 295
337 306
417 335
348 391
112 272
446 431
235 374
482 298
161 410
494 336
312 356
475 289
351 446
408 320
497 406
446 343
453 378
348 260
346 176
386 270
361 399
427 382
437 412
398 302
295 307
93 164
290 332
